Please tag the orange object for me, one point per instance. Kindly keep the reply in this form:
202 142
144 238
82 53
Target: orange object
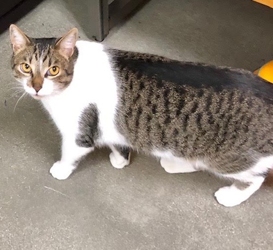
266 71
268 3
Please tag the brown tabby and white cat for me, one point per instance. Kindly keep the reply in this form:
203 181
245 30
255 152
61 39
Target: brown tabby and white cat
192 116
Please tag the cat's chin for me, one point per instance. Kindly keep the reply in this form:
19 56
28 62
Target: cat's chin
38 97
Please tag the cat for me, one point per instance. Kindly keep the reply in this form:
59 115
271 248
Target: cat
192 116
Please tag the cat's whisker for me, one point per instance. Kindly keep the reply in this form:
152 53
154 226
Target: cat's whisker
15 94
17 86
19 101
13 89
19 93
16 91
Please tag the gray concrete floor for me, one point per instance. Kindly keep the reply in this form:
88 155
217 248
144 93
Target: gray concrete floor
140 207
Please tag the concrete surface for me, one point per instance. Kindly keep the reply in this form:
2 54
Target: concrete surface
140 207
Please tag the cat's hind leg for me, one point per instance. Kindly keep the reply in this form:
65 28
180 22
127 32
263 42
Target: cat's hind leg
246 183
120 156
238 192
71 155
178 165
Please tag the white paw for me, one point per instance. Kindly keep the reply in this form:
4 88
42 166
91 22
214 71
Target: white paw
230 196
61 171
118 161
175 166
168 166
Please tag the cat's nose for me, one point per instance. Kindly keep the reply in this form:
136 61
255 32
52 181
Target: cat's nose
37 83
37 88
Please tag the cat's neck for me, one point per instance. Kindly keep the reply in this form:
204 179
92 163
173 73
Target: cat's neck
91 71
93 80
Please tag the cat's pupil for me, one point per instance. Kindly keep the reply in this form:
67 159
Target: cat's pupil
54 69
26 66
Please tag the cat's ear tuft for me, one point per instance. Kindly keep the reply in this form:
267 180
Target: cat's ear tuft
66 44
18 39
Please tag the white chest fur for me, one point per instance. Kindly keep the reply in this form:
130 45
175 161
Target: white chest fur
93 82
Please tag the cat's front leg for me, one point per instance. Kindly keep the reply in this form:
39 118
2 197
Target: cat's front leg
71 155
120 156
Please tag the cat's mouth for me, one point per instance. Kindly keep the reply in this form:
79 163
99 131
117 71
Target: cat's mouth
37 97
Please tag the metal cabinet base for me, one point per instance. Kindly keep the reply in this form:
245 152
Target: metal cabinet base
104 15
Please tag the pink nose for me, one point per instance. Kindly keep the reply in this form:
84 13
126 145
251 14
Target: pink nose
37 83
37 88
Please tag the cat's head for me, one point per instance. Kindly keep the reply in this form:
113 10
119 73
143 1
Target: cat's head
44 66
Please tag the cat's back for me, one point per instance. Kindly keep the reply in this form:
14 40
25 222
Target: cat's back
196 108
189 74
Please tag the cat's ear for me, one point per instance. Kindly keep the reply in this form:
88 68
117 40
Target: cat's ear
66 44
18 39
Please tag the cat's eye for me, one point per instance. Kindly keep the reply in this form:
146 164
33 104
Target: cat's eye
25 68
53 71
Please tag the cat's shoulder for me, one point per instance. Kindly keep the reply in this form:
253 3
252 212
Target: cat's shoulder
91 55
86 47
